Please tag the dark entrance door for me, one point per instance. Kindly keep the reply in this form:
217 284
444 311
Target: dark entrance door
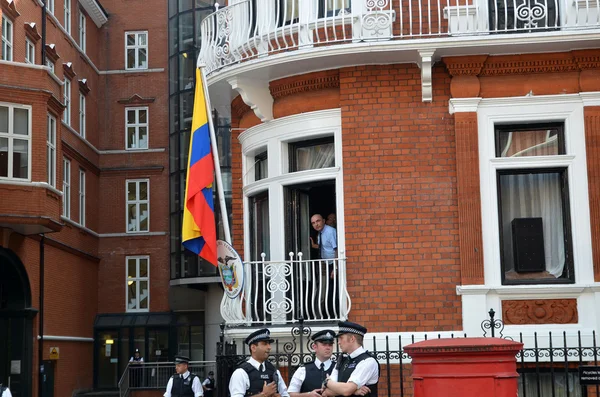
15 325
47 374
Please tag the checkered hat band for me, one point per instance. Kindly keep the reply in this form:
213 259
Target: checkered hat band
344 330
259 337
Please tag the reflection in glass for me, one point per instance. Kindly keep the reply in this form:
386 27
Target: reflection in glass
314 157
3 119
20 158
548 141
4 157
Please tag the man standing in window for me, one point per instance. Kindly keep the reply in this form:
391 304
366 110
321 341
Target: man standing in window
328 249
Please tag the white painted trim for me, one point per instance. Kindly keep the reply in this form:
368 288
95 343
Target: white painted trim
590 98
137 48
463 105
12 136
79 226
132 234
66 338
31 184
132 151
137 181
136 110
195 280
137 280
68 127
94 10
128 71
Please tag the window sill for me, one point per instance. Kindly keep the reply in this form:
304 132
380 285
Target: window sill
555 291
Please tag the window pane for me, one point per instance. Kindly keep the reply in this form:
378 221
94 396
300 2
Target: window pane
131 58
4 157
144 217
21 121
131 117
143 267
143 191
142 39
542 141
3 119
131 137
131 220
143 144
142 58
131 268
144 292
131 295
315 157
142 116
20 158
532 225
131 39
131 191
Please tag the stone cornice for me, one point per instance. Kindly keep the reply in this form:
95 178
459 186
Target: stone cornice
294 85
31 31
84 86
136 99
465 66
95 11
9 7
544 63
68 70
586 59
51 53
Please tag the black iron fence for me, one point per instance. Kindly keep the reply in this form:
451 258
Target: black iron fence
548 364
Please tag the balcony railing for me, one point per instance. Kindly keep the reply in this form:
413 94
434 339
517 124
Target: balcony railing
280 292
254 28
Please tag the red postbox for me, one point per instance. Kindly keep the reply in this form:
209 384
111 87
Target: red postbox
464 367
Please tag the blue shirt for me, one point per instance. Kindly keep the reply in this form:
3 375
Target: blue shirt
327 239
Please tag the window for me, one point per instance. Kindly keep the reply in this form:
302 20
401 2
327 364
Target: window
533 206
68 16
138 206
136 50
82 22
15 141
137 283
50 64
310 155
51 151
7 39
330 8
259 221
136 126
29 52
66 188
67 97
50 6
81 197
82 115
261 162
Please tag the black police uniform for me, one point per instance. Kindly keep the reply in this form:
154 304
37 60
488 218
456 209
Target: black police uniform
314 377
210 385
258 378
347 365
183 387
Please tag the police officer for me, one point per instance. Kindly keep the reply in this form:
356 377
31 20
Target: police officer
258 377
4 391
184 383
357 372
136 374
308 380
209 385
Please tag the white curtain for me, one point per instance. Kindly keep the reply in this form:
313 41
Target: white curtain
562 388
315 157
534 196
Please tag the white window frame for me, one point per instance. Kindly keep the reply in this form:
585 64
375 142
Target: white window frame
50 64
567 109
82 117
137 126
7 42
51 150
137 49
138 281
66 189
67 98
67 7
137 202
29 52
50 6
11 136
82 197
82 30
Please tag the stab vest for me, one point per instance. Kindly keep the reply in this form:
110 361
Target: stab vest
182 387
258 378
210 385
314 378
347 365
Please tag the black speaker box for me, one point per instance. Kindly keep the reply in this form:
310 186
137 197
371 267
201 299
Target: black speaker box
528 245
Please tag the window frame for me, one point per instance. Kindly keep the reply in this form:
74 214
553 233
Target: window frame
67 15
7 43
137 49
50 6
82 30
29 52
12 136
566 109
82 187
67 99
51 65
137 126
137 280
293 146
82 114
66 190
137 202
51 150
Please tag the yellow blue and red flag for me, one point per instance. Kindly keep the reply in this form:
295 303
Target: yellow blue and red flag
198 229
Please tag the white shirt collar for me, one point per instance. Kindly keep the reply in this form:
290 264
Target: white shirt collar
254 363
186 374
318 363
357 352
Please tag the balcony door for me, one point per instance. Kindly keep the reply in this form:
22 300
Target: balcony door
508 16
297 221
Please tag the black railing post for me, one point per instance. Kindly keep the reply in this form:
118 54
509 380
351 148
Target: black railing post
492 313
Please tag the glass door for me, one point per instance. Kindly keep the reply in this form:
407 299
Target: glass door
107 356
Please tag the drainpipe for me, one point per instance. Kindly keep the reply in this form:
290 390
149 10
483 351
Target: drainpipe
41 319
44 35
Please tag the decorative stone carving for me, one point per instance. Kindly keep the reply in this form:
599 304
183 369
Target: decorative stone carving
255 94
466 65
518 64
540 311
285 87
425 64
136 99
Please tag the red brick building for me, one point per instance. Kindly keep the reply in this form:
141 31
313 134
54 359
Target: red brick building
457 143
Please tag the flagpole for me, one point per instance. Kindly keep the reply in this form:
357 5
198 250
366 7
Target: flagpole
215 152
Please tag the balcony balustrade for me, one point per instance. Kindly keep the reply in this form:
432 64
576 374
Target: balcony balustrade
254 28
281 292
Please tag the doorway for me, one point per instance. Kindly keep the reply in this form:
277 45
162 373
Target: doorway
16 327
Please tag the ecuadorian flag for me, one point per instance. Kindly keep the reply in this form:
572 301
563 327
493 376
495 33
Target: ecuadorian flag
198 230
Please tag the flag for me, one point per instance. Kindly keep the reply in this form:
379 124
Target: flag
198 230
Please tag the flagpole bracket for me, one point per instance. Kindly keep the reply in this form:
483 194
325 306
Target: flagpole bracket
256 94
